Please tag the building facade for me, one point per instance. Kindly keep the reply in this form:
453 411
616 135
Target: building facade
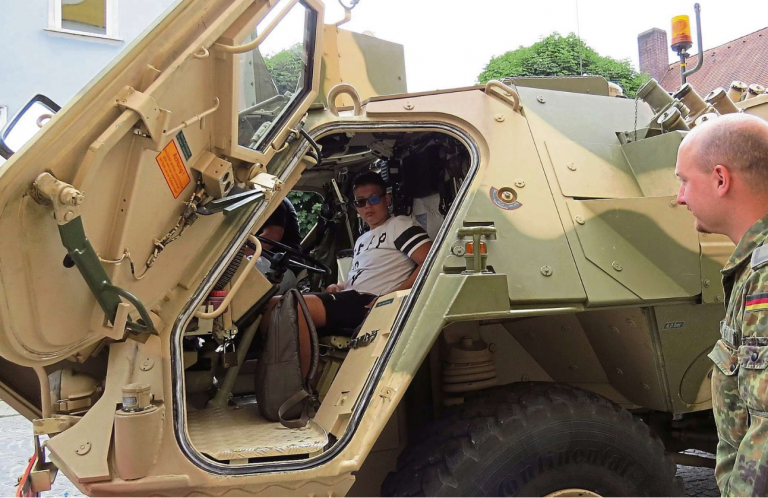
744 59
55 47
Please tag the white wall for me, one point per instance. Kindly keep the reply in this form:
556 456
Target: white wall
33 60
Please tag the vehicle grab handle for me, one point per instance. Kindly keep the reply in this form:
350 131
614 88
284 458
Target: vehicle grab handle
344 88
505 92
225 304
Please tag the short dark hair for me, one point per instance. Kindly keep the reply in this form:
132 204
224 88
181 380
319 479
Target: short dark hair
369 178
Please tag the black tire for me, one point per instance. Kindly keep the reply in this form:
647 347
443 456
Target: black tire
533 439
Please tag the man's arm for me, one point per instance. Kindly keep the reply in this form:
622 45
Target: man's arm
274 232
336 287
418 256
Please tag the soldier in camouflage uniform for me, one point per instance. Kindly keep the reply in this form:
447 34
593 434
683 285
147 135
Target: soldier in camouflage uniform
723 168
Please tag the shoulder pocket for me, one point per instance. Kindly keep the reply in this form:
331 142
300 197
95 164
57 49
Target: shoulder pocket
753 357
753 375
725 359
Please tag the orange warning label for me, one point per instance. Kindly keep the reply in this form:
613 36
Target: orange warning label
173 168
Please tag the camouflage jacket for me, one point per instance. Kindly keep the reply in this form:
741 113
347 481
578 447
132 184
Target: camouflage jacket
745 282
740 381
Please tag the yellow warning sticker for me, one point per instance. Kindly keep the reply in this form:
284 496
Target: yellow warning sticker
173 168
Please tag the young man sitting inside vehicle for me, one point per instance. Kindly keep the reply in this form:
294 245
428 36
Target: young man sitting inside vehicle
386 258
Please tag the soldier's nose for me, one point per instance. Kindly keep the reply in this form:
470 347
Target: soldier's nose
680 198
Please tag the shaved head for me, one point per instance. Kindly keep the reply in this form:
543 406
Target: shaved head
737 141
723 170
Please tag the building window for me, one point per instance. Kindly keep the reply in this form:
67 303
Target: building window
84 17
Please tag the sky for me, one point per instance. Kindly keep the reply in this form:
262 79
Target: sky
449 42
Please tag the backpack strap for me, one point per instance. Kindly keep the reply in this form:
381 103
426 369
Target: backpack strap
307 412
306 395
313 339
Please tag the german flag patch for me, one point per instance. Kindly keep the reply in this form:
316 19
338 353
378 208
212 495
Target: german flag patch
757 302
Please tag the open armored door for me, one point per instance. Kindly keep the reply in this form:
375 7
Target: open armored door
103 218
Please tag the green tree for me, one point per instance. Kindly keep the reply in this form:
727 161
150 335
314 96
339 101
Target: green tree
307 205
558 55
286 67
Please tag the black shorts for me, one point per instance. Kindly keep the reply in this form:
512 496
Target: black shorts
344 311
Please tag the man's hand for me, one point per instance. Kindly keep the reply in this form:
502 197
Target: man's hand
335 288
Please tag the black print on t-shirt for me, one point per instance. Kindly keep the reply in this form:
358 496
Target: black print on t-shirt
359 248
382 238
352 282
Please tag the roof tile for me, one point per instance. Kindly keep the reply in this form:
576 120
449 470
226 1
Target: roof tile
744 59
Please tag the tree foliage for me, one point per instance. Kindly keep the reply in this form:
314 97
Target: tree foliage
286 67
558 55
307 205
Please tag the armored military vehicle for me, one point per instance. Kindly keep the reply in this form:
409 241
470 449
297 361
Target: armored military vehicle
554 342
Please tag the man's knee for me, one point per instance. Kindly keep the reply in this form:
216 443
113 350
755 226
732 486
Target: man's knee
316 310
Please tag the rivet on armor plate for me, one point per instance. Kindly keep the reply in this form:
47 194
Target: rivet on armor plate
540 99
615 330
646 387
673 203
707 282
546 270
619 371
579 219
631 322
408 106
616 266
499 118
570 166
83 448
519 183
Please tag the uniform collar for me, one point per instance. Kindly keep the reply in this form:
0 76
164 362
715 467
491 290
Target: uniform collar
755 236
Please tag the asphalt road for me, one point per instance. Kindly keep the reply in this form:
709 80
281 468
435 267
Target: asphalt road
16 439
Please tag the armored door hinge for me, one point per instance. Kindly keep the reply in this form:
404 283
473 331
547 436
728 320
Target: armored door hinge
154 118
64 198
53 425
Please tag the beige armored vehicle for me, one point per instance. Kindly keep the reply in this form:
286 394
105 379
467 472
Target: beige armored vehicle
554 342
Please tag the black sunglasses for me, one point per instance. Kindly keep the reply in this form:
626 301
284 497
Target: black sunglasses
372 200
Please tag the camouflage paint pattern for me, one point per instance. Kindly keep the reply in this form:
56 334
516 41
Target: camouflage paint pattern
740 381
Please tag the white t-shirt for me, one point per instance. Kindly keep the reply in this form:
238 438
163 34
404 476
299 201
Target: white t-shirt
382 257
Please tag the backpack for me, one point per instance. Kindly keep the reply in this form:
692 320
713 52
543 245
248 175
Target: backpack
283 395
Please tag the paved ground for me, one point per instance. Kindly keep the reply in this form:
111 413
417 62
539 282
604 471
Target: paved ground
16 440
698 481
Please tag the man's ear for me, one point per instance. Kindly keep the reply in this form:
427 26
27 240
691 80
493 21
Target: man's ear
723 178
388 199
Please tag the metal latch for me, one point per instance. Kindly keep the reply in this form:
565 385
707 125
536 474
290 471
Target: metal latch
363 340
477 232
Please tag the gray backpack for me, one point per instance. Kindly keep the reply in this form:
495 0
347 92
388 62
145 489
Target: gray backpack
283 395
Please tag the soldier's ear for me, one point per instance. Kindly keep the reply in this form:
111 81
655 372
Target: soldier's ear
723 178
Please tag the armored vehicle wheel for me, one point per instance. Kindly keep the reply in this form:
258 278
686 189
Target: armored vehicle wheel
535 439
